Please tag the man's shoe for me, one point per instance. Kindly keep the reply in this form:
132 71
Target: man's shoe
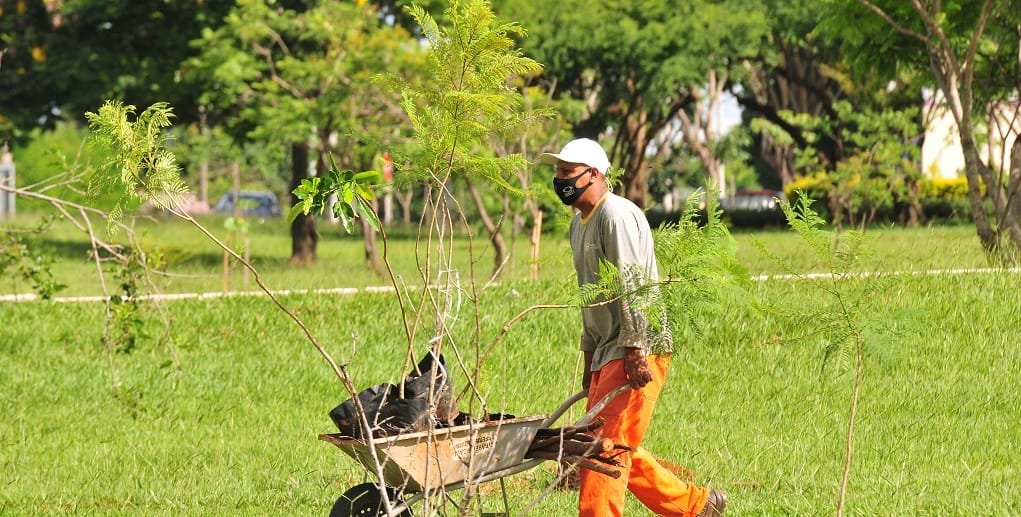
715 505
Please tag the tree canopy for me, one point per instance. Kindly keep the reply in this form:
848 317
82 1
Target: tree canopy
819 97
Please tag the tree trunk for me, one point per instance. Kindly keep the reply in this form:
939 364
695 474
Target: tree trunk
492 228
303 230
204 163
536 238
955 81
972 171
404 199
636 174
1013 218
701 130
914 204
369 240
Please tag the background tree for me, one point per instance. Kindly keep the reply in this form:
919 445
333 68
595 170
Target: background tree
61 58
791 75
637 72
530 210
300 77
970 49
793 90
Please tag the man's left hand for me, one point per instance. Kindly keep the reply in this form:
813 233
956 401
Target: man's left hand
637 368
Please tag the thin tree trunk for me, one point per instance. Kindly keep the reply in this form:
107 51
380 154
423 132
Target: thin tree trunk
404 199
204 163
304 238
492 227
536 239
369 240
636 174
1013 218
859 372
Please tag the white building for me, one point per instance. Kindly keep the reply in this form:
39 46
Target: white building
942 155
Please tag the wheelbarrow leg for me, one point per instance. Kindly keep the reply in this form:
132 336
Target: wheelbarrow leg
506 505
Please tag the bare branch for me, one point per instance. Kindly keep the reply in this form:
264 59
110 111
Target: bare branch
945 49
980 27
890 21
274 75
62 206
278 40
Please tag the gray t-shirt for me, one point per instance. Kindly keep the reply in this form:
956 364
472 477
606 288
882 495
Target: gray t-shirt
618 232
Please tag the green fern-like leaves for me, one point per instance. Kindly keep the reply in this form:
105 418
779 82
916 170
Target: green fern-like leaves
849 311
700 278
703 280
838 255
139 166
466 99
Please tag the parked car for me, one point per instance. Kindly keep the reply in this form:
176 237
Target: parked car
754 207
251 202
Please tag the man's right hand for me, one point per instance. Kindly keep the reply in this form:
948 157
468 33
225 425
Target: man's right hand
637 368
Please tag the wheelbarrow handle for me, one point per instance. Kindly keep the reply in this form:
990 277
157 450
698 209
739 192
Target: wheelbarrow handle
585 420
591 413
557 413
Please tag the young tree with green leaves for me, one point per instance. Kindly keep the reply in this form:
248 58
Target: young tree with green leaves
845 324
463 103
534 181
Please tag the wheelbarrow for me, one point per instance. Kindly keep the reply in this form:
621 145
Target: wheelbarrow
443 459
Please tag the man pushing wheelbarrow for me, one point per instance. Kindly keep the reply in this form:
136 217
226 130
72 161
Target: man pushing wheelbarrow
619 345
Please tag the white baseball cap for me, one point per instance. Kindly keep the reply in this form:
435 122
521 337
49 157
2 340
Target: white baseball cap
581 150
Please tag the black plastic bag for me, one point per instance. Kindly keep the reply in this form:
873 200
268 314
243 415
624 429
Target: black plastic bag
388 413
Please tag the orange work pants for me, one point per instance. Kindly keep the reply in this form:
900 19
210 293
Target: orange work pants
626 419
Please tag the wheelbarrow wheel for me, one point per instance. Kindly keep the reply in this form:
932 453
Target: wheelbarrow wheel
364 500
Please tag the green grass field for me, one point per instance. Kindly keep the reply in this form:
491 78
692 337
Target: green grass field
218 414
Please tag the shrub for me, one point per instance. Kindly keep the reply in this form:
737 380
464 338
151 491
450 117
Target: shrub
945 199
942 200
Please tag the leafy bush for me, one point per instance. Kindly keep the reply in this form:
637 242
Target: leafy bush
945 199
941 200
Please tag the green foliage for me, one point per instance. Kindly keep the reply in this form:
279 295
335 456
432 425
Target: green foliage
22 257
262 166
239 224
941 200
945 199
353 193
139 165
128 324
60 59
635 65
465 99
870 46
701 279
285 73
836 255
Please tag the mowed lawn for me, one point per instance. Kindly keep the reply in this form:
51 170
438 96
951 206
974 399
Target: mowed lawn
220 401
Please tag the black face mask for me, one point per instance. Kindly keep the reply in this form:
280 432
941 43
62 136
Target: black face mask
566 190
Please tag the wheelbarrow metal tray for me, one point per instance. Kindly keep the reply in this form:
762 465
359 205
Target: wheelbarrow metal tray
416 461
